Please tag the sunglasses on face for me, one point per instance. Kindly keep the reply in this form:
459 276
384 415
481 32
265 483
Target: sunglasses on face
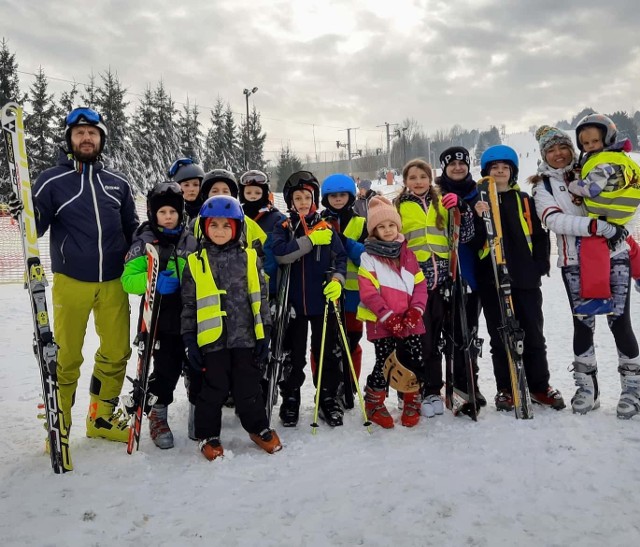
177 164
88 114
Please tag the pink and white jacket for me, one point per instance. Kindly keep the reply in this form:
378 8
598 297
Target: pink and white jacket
386 288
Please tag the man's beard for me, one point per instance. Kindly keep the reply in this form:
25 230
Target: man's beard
86 156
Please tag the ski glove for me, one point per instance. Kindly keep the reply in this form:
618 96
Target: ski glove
450 200
261 349
15 205
320 237
412 318
333 290
395 325
167 284
193 351
619 236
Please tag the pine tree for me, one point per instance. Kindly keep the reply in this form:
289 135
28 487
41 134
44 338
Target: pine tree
90 96
255 156
66 104
9 91
287 164
233 157
110 103
40 127
143 139
214 143
190 132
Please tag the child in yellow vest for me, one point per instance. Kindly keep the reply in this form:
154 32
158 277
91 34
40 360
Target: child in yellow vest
609 183
225 327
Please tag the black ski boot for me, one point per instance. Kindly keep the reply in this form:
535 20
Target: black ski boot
290 408
330 410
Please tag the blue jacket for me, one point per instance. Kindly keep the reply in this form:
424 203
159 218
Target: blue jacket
92 217
309 264
267 220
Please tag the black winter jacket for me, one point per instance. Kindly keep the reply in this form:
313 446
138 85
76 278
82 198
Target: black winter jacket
92 217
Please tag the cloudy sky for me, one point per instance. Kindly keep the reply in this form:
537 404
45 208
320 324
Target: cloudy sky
322 65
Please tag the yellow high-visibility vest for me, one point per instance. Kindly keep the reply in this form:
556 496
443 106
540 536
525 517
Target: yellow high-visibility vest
209 312
353 231
421 232
618 206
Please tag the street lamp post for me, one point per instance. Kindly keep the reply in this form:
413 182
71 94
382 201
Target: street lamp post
247 93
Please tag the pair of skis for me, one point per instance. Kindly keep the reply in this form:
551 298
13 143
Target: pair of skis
44 345
455 294
512 334
140 401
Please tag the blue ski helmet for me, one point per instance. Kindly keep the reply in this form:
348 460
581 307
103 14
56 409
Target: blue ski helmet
334 184
499 152
222 207
185 169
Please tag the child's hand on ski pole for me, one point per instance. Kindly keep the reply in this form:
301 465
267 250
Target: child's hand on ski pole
333 290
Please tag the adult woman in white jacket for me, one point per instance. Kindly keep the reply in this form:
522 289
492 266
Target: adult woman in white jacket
564 215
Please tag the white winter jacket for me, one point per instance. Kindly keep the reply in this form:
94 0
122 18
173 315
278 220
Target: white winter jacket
559 214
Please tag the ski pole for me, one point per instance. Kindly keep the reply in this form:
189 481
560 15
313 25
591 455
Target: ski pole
314 425
345 343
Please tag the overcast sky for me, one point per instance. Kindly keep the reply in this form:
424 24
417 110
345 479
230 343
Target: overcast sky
322 65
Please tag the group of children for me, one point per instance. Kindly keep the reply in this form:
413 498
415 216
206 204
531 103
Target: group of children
223 246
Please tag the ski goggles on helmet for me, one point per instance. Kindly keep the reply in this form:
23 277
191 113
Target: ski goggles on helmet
164 188
253 178
78 114
177 164
301 177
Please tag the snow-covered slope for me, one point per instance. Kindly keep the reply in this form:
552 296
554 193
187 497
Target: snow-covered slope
559 479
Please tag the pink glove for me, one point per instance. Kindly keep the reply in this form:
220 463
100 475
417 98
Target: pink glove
450 200
412 318
394 324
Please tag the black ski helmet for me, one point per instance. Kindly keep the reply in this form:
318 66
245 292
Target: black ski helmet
185 169
301 180
218 175
162 194
255 178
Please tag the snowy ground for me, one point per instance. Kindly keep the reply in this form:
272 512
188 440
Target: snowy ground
558 479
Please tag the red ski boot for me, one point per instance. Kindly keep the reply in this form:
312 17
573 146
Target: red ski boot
374 405
411 409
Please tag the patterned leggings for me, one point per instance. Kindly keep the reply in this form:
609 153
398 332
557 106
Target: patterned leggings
409 353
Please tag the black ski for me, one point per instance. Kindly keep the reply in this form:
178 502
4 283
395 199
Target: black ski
457 401
44 346
512 334
278 354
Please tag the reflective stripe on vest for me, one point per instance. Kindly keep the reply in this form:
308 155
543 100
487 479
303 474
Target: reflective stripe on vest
364 313
209 312
421 231
353 231
618 206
